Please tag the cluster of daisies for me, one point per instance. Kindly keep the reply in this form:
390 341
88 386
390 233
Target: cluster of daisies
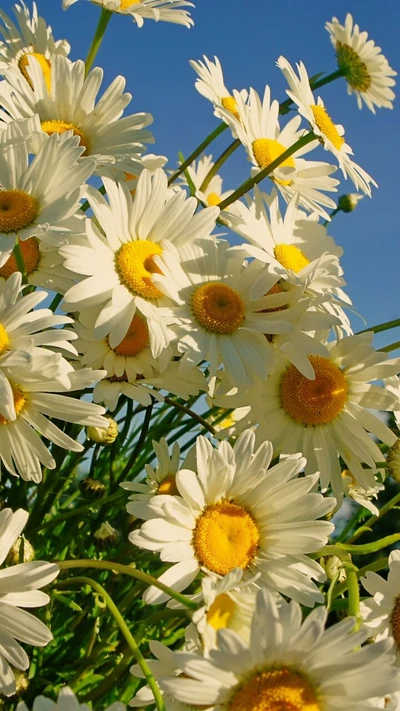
154 300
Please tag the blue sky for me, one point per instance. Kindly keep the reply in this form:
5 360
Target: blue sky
248 37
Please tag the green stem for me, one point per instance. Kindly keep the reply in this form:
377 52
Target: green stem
192 414
351 582
218 163
128 570
210 138
333 213
381 327
364 549
57 299
251 182
105 18
19 258
376 565
125 631
391 347
371 521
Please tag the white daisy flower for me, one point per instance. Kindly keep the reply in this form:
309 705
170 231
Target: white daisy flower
258 130
211 85
29 37
234 513
33 199
330 135
66 701
287 664
71 106
329 416
360 494
22 450
366 70
213 193
381 613
140 10
19 587
124 263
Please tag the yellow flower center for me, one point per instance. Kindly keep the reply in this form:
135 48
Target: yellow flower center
125 4
226 536
31 255
354 69
135 265
229 103
135 340
213 199
276 289
4 339
347 473
291 257
221 612
218 308
45 65
314 402
326 126
17 210
275 690
168 486
395 622
59 126
266 150
19 404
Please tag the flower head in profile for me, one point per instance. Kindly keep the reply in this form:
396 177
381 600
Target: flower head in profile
212 193
19 588
140 10
366 70
211 85
381 613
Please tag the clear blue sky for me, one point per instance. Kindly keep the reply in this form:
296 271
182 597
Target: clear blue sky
248 37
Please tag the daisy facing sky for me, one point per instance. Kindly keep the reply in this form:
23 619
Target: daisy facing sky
140 10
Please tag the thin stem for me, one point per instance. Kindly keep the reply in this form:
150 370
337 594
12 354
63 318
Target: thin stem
192 414
251 182
128 570
57 299
391 347
376 565
105 18
351 582
125 631
210 138
333 213
139 444
218 163
371 521
19 258
381 327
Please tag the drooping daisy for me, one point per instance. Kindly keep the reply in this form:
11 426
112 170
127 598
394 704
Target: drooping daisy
30 37
330 416
19 587
381 613
33 199
331 135
22 450
213 193
363 495
288 664
140 10
211 85
124 262
71 105
258 130
366 70
235 513
66 701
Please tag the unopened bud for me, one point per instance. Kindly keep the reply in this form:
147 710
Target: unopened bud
92 489
393 460
349 202
103 435
333 566
106 536
20 552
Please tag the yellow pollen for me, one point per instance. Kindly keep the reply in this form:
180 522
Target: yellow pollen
135 340
19 404
17 210
395 622
135 266
221 612
275 690
168 486
4 339
229 103
218 308
213 199
45 65
226 536
291 257
266 150
347 473
314 402
125 4
31 255
276 289
326 126
59 126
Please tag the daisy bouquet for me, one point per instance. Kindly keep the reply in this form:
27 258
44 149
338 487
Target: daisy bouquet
199 457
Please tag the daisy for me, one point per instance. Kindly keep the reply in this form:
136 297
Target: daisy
140 10
287 664
211 85
124 263
213 193
22 450
66 701
20 587
330 416
258 130
71 106
33 199
360 495
330 135
381 613
30 37
365 68
235 513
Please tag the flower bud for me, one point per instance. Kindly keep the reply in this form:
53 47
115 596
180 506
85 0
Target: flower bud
106 536
393 460
20 552
348 203
103 435
333 565
92 488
